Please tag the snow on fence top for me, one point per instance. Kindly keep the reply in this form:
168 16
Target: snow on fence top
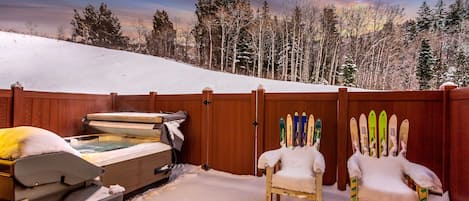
50 65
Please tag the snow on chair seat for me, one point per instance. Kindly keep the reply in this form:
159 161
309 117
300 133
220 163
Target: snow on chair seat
294 170
297 169
382 178
377 168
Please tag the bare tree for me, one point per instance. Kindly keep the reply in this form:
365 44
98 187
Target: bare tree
61 32
141 31
31 27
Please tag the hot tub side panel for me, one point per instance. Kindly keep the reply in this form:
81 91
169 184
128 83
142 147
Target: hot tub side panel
136 173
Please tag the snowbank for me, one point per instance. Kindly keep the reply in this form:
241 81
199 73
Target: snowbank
44 64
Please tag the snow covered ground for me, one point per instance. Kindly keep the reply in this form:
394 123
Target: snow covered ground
191 183
50 65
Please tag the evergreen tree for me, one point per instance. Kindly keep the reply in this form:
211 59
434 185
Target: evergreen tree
424 18
204 9
349 69
98 27
439 70
466 10
161 41
462 72
410 31
425 65
439 16
455 17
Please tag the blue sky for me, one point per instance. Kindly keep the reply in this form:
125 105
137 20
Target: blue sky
50 14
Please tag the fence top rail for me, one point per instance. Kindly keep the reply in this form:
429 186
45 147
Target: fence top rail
231 96
61 95
322 96
459 94
5 93
131 96
396 96
180 97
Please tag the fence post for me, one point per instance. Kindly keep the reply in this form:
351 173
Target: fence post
446 133
18 108
207 94
114 102
152 101
257 106
342 137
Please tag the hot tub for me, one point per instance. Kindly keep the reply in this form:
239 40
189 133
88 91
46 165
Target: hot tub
131 152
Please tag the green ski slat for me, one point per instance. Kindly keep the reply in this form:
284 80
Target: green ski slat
383 142
282 132
317 133
373 144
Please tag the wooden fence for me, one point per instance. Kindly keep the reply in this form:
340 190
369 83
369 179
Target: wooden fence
58 112
459 144
224 130
5 108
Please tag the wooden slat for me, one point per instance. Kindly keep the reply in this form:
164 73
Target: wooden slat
5 108
261 122
342 139
459 140
446 132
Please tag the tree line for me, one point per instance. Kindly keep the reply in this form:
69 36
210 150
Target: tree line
370 46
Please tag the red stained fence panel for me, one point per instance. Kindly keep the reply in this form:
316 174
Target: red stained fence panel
192 127
459 144
58 112
133 103
5 108
231 136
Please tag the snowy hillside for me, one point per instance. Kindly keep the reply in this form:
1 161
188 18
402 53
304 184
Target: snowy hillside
50 65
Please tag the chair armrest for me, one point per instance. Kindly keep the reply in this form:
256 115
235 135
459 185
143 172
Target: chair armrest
319 164
353 166
422 176
269 159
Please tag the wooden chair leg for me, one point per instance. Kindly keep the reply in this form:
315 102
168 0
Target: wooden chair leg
278 197
422 193
318 178
354 189
268 184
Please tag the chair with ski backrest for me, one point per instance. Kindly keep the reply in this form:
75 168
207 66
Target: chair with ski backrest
378 168
296 168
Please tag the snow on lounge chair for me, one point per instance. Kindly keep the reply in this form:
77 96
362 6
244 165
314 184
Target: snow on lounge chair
36 164
293 171
377 176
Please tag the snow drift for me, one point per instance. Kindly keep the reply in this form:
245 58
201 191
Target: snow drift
44 64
